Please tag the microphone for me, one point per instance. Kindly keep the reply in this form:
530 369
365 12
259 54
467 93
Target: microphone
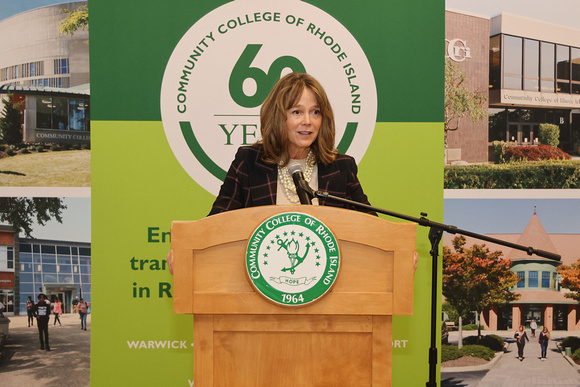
302 188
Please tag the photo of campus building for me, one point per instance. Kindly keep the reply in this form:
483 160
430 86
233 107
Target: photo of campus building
48 73
529 70
30 266
541 295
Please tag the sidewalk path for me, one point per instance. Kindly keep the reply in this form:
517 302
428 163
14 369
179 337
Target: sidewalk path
67 364
556 370
509 371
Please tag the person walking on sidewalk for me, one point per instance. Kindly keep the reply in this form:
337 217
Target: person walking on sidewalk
533 327
544 339
42 314
30 311
57 310
82 308
521 336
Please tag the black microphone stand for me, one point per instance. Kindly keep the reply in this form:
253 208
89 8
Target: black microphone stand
435 233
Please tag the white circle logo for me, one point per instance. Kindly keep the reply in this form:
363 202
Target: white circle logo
223 68
292 259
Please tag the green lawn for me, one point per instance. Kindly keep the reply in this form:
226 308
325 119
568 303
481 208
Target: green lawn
47 169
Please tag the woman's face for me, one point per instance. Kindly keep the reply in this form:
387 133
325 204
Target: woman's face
303 122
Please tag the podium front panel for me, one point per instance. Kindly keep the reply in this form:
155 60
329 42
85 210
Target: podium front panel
243 339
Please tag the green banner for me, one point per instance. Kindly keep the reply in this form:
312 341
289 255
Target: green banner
176 89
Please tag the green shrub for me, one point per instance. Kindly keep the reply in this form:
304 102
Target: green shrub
55 148
450 352
76 146
471 327
24 151
499 149
548 174
572 342
576 355
549 134
477 351
10 152
40 148
86 146
493 342
2 148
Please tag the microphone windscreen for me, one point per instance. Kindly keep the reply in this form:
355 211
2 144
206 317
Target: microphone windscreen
294 166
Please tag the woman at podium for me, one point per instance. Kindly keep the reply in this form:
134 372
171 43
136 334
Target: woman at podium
297 127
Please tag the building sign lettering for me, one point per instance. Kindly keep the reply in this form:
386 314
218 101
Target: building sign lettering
457 50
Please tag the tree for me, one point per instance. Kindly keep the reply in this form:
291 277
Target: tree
10 121
571 279
460 101
76 19
475 279
20 212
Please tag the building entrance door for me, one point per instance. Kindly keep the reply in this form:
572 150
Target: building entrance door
523 133
67 301
534 313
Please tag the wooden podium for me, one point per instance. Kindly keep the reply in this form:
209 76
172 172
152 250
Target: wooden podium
243 339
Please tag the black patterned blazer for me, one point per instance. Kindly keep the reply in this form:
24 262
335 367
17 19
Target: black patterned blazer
251 182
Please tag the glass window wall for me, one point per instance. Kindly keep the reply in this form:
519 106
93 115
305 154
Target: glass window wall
52 264
62 114
512 62
563 69
547 67
531 65
575 60
494 62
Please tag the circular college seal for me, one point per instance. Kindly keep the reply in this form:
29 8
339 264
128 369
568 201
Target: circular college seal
224 66
292 259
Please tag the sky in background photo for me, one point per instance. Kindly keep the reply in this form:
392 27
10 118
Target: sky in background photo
75 226
561 12
12 7
512 215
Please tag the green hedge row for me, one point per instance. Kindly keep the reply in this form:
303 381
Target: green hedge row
450 352
551 174
493 342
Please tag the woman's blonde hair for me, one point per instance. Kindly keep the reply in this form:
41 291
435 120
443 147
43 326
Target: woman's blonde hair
283 96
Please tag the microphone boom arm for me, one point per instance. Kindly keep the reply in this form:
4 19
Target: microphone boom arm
423 221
